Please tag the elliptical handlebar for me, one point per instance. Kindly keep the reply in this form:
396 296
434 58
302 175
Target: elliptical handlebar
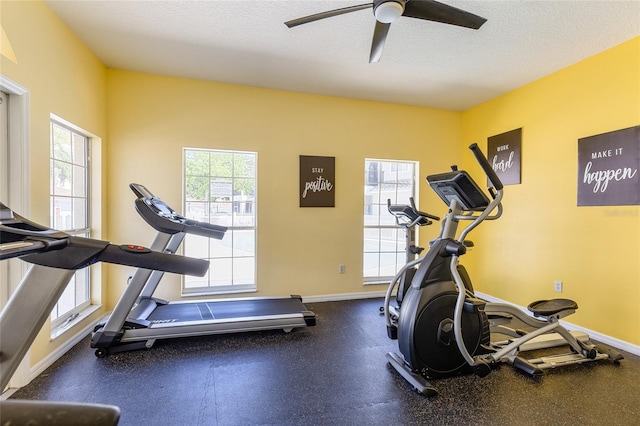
413 206
477 363
486 166
487 213
410 213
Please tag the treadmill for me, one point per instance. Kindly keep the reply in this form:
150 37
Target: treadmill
139 319
55 256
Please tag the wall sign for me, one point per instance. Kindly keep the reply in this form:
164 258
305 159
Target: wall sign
504 152
608 168
317 181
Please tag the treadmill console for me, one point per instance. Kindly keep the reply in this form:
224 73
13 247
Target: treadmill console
164 219
458 185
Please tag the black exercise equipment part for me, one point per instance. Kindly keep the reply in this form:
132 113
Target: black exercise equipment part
55 256
407 217
139 319
443 328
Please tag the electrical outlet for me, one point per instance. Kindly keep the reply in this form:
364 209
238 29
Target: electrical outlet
341 269
558 286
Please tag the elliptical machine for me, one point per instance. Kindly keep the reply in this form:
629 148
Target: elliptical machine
407 217
443 329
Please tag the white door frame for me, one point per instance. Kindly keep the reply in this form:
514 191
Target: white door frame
17 188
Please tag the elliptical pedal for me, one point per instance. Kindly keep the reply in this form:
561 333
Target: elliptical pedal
547 308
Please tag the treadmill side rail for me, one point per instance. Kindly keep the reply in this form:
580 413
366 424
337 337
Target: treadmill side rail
309 318
200 318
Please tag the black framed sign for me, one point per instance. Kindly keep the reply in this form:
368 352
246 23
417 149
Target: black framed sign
504 152
608 168
317 181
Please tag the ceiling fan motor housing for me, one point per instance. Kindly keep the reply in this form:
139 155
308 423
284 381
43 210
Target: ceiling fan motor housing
387 11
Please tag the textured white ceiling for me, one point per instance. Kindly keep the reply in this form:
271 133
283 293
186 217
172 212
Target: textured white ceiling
423 63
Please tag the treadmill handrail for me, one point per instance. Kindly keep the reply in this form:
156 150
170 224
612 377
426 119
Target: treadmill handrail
20 236
165 219
44 246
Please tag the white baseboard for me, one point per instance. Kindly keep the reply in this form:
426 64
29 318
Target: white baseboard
343 296
603 338
47 361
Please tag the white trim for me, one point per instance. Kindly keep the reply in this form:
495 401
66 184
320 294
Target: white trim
603 338
231 288
4 188
48 361
18 198
61 330
18 138
4 147
343 296
71 126
11 86
94 192
393 224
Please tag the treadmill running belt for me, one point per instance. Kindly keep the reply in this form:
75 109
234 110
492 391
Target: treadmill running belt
178 312
205 313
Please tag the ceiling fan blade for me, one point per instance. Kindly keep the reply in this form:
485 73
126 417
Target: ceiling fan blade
327 14
379 37
432 10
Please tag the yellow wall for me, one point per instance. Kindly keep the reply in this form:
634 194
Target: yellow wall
151 118
543 236
63 77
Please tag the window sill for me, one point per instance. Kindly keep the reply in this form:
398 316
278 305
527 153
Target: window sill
212 293
378 282
62 329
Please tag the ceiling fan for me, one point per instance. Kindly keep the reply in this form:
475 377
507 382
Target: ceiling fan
387 11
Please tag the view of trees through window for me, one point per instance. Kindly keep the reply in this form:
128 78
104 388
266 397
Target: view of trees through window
220 188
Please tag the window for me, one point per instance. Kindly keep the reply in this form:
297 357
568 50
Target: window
220 188
384 241
69 204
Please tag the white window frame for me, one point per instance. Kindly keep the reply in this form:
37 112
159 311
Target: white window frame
82 297
384 243
234 258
